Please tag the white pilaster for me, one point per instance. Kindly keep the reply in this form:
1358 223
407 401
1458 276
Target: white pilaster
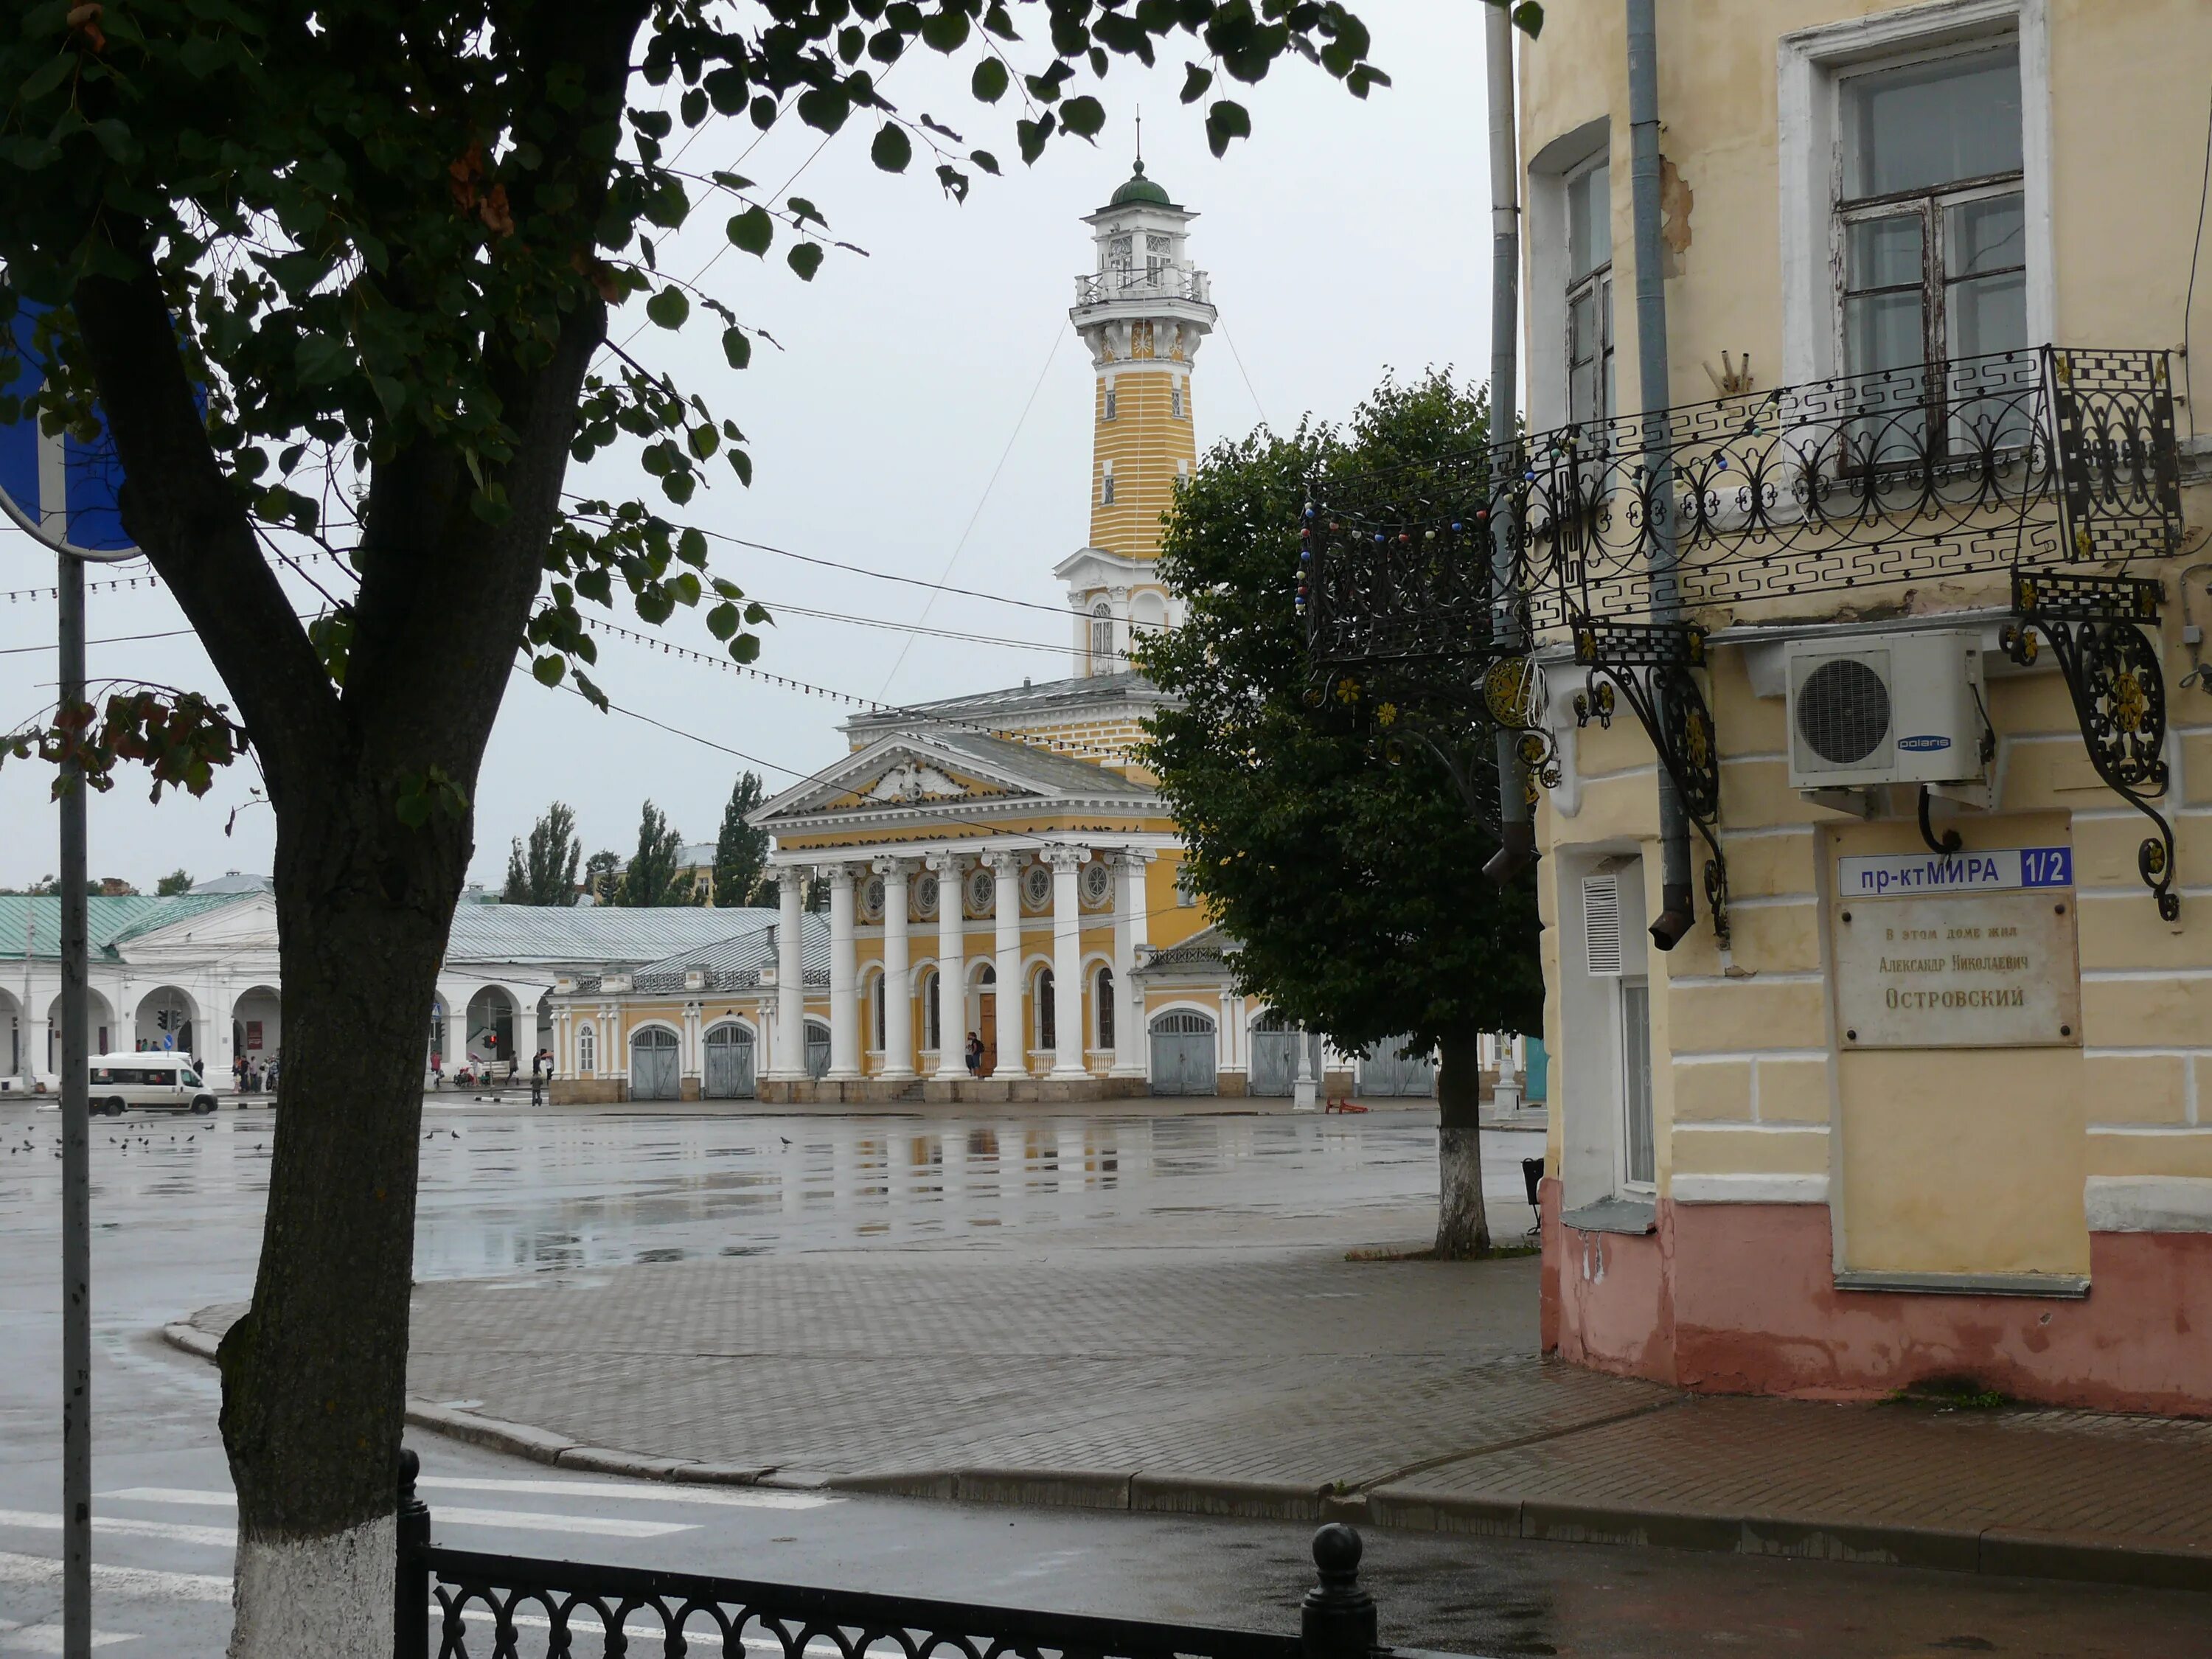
898 974
952 968
1066 962
1129 932
789 1052
1006 909
844 973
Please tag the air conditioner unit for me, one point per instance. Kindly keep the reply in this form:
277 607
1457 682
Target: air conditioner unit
1901 707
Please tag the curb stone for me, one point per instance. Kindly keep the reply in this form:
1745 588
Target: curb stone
2006 1552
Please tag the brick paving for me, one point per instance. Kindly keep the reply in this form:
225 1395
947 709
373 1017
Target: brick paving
1414 1382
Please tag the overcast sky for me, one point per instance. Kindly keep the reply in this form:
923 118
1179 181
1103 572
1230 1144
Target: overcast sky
928 415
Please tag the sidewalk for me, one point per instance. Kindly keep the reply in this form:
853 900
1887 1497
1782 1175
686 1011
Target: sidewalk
1272 1383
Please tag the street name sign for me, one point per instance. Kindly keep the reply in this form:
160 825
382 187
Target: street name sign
1967 949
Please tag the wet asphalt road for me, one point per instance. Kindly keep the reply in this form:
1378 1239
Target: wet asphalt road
177 1206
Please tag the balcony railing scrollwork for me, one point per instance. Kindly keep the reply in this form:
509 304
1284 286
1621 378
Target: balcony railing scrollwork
2045 460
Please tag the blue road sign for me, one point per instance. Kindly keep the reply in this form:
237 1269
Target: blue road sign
60 488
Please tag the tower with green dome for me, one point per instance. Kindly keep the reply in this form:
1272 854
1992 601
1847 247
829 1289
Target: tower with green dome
1143 310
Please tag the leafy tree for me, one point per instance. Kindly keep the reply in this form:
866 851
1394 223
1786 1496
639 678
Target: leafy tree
384 240
545 873
602 875
1354 886
741 851
654 876
177 881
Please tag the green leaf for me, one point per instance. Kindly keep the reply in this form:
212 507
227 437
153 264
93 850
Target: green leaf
753 230
824 108
722 621
806 259
669 308
985 160
892 148
946 30
694 107
1529 18
1226 121
1195 81
1083 116
549 669
47 76
736 347
988 82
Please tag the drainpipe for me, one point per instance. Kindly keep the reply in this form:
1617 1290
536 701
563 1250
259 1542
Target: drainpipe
1516 829
1678 907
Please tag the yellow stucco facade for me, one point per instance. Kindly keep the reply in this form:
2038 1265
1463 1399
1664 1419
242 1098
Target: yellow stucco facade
1774 1199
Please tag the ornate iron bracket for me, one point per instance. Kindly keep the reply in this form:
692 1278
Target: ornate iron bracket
2094 626
1650 664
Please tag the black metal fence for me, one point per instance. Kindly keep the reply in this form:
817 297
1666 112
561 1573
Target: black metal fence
462 1604
2032 458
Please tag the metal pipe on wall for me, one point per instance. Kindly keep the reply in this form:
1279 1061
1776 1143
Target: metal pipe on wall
1516 827
1678 906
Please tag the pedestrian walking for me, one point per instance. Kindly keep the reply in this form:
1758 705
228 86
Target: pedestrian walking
538 1069
437 1069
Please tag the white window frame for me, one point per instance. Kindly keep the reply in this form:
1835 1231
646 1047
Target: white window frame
1625 1181
1175 400
1545 282
1597 282
587 1050
1112 406
1809 66
1101 636
1106 484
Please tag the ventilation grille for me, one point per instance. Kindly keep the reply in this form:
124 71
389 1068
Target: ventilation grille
1843 710
1601 926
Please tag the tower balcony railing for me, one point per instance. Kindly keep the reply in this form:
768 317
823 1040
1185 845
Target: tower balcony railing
2034 458
1099 288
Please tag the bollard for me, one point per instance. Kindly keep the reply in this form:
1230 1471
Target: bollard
1337 1619
410 1602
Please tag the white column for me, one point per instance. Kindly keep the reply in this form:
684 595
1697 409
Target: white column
952 968
1066 962
1128 934
1303 1096
844 971
898 974
1006 901
790 1051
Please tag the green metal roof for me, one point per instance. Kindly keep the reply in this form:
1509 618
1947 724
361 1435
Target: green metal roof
35 924
1140 189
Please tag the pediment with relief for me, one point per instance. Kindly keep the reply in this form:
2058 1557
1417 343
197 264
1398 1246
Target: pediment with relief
911 781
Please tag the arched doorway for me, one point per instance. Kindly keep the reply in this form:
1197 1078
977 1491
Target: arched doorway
986 981
491 1027
165 1020
1104 1013
1046 1019
257 1029
817 1050
729 1074
1185 1054
1274 1056
656 1066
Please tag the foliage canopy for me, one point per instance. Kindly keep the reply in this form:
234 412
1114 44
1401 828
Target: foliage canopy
1354 886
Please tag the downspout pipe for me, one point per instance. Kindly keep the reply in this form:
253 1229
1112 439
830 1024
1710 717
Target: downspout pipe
1678 905
1516 826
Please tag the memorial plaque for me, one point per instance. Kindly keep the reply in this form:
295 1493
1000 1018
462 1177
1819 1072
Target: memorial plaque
1957 950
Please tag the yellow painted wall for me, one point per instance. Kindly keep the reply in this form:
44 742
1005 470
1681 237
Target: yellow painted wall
1144 441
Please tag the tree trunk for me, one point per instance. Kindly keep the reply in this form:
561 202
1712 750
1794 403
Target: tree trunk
1462 1224
315 1376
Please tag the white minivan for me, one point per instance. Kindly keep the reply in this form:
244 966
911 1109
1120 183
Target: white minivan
160 1081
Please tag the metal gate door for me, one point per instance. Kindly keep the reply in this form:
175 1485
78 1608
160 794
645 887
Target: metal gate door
655 1065
729 1063
1183 1051
817 1050
1394 1067
1274 1057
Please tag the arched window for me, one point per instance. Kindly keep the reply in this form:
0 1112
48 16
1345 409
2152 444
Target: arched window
932 1018
588 1050
1048 1024
876 1004
1102 998
1102 634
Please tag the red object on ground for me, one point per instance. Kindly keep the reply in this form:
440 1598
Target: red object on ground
1345 1106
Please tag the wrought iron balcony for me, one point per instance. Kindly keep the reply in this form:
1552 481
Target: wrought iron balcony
2030 457
1099 288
